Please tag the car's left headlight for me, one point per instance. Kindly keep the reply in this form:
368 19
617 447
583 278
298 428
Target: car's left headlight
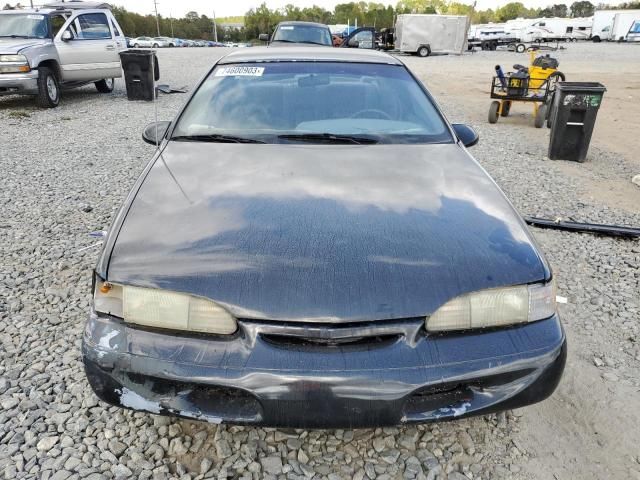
495 307
162 309
14 64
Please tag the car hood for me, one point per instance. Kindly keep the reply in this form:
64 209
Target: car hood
16 45
321 233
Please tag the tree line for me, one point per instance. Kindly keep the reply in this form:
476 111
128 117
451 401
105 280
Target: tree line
263 19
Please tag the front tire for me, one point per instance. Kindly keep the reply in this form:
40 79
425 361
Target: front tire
541 116
521 47
155 45
48 88
493 111
423 52
105 86
136 45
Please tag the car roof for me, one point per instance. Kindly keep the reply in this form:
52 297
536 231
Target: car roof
309 24
308 54
77 5
58 7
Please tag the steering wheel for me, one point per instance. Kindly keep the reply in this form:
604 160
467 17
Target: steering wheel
380 113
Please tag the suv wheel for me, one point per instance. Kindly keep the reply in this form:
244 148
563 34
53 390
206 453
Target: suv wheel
155 45
135 45
48 88
105 86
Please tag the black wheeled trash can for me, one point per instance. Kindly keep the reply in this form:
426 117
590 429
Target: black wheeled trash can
140 72
573 116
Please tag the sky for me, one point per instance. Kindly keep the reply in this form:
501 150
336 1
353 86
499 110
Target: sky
178 8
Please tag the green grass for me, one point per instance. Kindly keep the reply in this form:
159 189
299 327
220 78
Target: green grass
19 114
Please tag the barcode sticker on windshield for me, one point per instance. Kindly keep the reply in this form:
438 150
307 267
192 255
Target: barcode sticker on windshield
240 71
35 17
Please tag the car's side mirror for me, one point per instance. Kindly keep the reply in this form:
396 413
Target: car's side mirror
467 135
66 36
155 132
263 37
353 43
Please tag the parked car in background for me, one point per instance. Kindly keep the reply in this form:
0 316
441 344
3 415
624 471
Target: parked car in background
164 42
60 46
313 246
144 42
307 33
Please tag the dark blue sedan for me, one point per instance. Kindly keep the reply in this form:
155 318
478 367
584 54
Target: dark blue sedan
312 245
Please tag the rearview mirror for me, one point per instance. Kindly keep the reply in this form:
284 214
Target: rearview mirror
66 36
467 135
155 132
263 37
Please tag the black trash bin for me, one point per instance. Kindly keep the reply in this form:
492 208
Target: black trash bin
140 71
573 116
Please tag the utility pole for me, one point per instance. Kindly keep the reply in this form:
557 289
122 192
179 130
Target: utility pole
215 28
171 20
155 5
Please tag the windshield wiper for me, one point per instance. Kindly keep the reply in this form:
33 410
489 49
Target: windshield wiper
16 36
329 138
305 42
216 137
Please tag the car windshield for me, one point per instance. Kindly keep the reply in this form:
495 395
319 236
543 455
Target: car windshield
269 101
303 34
635 28
23 25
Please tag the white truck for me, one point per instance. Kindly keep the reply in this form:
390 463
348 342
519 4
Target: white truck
606 27
621 25
634 32
426 34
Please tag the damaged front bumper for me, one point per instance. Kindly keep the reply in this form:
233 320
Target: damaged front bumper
284 375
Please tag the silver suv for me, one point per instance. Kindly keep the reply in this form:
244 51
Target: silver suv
59 46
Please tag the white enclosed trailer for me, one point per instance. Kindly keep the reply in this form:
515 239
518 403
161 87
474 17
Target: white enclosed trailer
427 34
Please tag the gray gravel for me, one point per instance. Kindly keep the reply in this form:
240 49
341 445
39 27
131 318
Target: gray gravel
65 172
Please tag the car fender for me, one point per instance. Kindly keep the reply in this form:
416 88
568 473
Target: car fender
45 53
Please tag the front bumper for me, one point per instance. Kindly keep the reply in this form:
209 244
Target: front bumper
19 83
275 376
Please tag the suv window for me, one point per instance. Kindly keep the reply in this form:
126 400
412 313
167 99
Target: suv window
93 26
116 32
303 34
57 22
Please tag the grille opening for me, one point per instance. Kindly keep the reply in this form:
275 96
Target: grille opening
213 400
323 343
438 397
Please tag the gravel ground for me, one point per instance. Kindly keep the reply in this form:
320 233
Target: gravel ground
67 170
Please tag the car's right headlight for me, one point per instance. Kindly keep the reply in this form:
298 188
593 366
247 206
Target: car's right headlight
495 307
14 64
162 309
